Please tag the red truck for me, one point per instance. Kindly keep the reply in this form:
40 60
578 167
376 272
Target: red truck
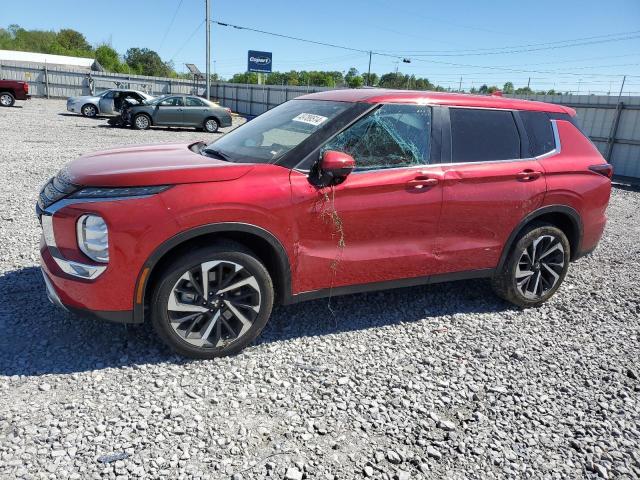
12 90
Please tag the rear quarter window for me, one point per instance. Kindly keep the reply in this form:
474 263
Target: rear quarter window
540 132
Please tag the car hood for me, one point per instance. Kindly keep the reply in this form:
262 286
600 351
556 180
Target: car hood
162 164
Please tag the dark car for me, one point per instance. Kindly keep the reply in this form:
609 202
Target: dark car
332 193
177 111
12 90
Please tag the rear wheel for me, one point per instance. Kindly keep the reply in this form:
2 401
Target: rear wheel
211 125
535 266
7 99
141 122
212 302
89 110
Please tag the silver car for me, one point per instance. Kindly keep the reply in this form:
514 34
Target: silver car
109 102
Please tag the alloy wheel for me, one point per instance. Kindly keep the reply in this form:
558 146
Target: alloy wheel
142 122
211 125
539 267
89 111
214 304
5 100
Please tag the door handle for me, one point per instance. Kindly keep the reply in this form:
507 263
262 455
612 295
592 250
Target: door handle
422 183
528 175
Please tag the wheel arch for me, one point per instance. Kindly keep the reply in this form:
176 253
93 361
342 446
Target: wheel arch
264 244
563 217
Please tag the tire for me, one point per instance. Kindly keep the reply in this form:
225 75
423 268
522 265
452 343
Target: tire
7 99
211 125
89 110
526 279
228 321
141 122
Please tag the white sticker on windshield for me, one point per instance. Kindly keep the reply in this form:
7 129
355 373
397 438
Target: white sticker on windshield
310 118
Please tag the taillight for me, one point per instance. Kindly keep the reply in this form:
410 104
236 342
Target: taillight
605 169
26 87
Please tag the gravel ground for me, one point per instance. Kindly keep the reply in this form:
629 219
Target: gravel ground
444 381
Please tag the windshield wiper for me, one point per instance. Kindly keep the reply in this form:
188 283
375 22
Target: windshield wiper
210 152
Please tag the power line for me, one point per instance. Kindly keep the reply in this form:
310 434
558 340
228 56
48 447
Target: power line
557 42
538 49
187 41
164 37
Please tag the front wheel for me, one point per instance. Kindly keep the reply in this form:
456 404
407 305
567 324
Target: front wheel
7 99
535 266
141 122
213 301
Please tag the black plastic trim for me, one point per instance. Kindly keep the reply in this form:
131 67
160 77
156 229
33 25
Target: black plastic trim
227 227
570 212
117 316
391 284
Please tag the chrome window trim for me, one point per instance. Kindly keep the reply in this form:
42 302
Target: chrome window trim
556 151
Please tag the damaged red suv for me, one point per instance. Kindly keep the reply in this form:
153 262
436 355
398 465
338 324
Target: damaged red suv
332 193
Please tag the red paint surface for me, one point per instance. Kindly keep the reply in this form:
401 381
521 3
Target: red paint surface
397 223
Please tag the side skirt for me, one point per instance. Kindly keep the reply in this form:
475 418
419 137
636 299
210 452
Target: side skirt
391 284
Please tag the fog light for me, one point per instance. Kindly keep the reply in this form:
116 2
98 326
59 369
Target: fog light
93 237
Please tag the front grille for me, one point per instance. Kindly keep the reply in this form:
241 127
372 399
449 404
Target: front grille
56 189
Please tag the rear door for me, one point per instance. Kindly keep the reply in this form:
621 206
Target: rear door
169 111
489 186
195 111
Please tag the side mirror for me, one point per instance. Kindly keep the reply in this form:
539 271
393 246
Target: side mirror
333 168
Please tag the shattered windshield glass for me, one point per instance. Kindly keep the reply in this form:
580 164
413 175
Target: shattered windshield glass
392 136
272 134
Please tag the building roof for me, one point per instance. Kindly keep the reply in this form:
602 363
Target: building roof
45 58
383 95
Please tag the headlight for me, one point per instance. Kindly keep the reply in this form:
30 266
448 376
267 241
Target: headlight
106 192
93 237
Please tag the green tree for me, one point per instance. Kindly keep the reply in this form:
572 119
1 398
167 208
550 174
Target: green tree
147 62
109 59
353 78
370 80
72 40
508 88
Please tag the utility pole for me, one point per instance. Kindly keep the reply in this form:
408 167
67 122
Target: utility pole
369 73
528 82
460 86
621 87
208 65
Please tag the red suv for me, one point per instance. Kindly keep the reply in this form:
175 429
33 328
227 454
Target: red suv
332 193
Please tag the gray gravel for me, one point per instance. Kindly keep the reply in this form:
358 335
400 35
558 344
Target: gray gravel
444 381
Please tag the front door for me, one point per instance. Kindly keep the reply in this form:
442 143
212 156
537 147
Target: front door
169 111
489 187
381 223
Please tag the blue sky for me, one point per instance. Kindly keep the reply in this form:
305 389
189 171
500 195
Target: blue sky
443 29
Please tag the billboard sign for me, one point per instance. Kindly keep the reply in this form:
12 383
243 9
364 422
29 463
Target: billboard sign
259 61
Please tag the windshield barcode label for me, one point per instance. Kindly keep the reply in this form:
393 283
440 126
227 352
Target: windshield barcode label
310 118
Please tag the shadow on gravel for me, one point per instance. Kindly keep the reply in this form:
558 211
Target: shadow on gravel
37 338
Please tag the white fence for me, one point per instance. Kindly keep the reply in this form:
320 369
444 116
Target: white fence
613 124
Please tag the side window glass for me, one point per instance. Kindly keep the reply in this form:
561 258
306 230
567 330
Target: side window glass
392 136
109 95
193 102
539 131
480 135
172 102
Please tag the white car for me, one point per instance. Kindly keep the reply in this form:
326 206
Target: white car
109 102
